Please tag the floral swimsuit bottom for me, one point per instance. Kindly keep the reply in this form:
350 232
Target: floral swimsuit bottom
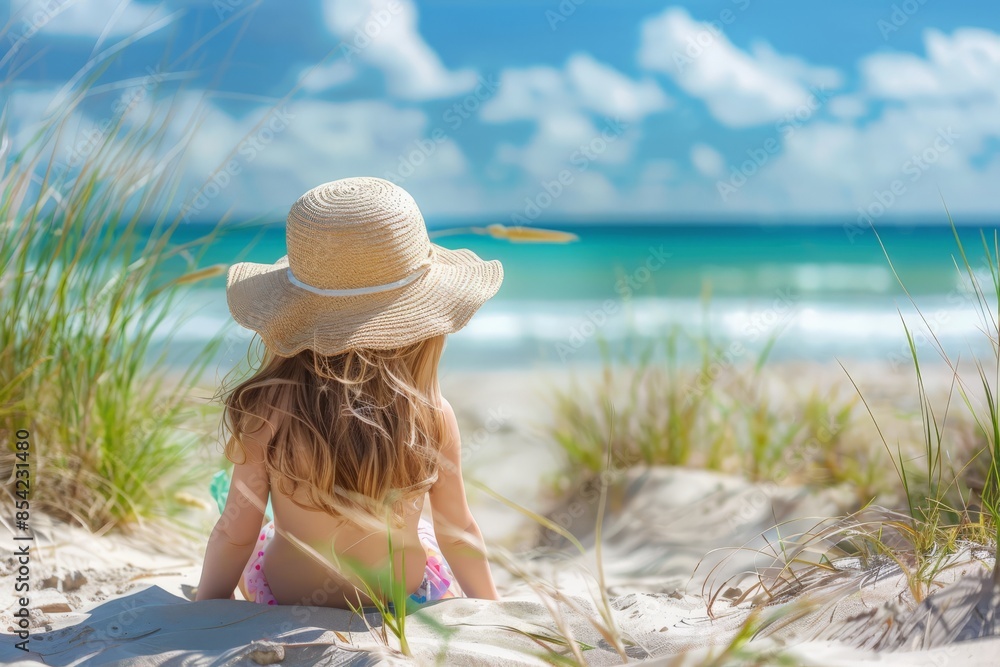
438 583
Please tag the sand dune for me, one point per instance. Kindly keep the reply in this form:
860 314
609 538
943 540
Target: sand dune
660 525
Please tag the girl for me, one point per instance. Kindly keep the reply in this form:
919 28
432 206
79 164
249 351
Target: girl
344 424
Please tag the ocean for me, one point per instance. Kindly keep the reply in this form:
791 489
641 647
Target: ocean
817 292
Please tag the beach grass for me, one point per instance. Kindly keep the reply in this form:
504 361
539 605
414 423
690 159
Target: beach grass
91 280
948 480
952 489
716 412
921 501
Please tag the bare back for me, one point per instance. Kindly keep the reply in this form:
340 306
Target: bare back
302 578
307 546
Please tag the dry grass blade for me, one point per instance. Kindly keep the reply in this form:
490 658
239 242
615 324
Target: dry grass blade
516 234
605 623
541 589
530 234
534 516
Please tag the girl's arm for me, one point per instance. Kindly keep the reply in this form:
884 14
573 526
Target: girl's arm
454 524
235 534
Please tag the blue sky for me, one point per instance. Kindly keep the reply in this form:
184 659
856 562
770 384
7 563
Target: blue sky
534 111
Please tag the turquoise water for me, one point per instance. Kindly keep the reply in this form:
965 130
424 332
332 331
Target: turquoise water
825 291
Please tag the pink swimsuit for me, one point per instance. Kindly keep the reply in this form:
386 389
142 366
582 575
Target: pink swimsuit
438 584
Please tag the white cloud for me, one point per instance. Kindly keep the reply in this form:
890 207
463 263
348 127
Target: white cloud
324 77
658 170
584 84
28 105
256 163
383 34
558 136
708 161
930 141
951 92
839 166
322 141
572 108
587 119
84 18
965 65
794 68
607 91
836 160
525 94
371 136
847 106
589 193
77 126
740 89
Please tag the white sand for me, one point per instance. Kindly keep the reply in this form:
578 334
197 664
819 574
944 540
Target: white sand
672 538
671 517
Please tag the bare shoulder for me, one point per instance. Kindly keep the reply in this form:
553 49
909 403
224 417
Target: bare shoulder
448 501
450 451
449 412
255 443
450 422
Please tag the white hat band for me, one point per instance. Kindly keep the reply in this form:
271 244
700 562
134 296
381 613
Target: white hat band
357 290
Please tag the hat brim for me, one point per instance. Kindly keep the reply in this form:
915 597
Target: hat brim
290 319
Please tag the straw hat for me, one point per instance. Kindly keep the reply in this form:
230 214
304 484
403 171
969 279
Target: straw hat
360 272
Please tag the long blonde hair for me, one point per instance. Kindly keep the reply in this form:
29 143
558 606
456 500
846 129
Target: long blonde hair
360 431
